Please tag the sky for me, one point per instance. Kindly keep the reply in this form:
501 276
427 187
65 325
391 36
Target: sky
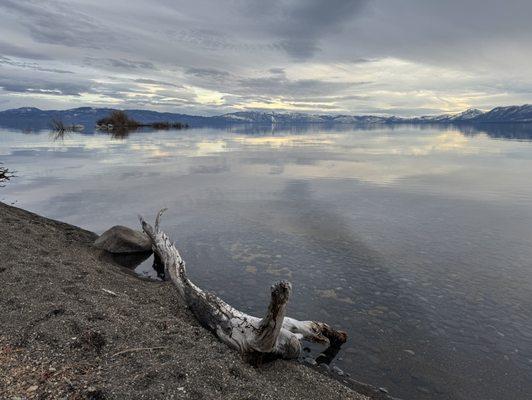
206 57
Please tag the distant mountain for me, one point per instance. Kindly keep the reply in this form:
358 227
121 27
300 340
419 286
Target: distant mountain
254 117
34 118
504 114
469 115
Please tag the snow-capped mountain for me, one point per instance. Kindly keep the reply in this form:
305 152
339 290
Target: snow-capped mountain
253 117
513 113
30 117
467 115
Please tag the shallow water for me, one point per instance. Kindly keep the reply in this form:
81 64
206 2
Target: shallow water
417 241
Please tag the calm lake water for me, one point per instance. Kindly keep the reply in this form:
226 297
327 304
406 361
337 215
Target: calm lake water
417 241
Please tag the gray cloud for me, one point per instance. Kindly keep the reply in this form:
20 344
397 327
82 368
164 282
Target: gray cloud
206 56
274 83
121 63
42 87
281 86
208 73
155 82
298 26
34 66
10 49
58 23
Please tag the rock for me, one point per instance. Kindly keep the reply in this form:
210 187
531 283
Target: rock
338 371
324 367
120 239
310 361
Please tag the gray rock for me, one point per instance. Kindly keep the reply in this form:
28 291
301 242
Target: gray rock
120 239
324 367
310 361
337 370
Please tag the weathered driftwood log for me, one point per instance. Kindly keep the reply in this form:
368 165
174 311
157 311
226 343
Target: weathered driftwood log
274 334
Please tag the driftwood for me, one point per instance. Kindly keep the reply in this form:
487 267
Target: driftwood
273 335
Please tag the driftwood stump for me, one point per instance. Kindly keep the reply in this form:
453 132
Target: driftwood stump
273 335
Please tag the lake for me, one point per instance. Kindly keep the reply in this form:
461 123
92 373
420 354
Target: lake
416 240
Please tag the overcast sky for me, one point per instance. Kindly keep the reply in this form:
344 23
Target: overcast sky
402 57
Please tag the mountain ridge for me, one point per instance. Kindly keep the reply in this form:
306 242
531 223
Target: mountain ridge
31 116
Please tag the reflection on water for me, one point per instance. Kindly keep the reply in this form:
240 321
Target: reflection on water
416 240
509 131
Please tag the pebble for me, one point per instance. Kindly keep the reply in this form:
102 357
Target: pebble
338 370
33 388
383 390
325 367
310 361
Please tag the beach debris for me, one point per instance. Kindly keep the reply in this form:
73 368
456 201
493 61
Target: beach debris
274 335
109 292
121 239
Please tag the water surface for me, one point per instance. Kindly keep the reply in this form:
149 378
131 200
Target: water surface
417 241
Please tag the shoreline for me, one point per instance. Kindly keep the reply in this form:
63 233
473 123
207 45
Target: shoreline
75 324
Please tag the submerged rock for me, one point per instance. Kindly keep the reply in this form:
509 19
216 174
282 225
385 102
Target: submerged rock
120 239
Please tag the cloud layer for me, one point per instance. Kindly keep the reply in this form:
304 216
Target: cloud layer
208 57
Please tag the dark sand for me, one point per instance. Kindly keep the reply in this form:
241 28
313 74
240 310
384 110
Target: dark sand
61 330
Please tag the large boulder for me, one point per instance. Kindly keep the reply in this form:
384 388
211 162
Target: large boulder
120 239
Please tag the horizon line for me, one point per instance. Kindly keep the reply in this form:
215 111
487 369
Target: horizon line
267 111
